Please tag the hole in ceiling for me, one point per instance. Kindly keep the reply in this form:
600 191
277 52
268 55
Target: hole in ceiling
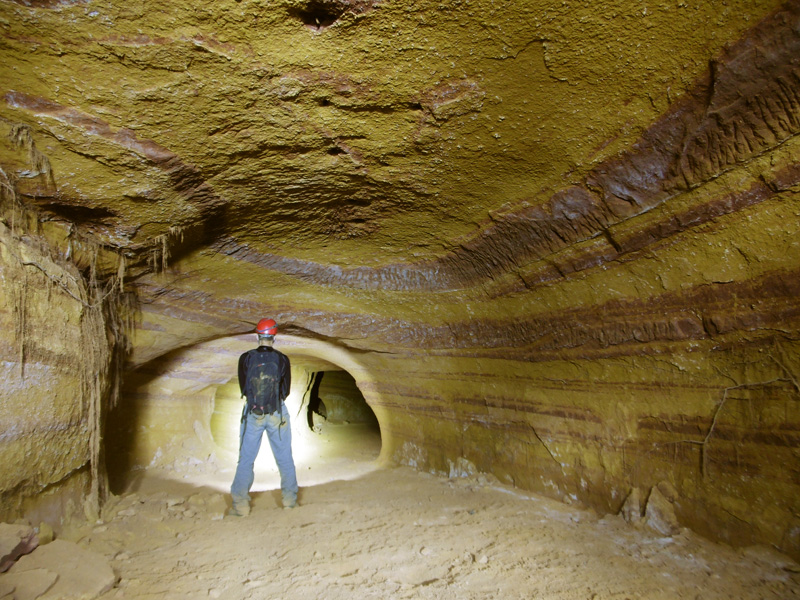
319 14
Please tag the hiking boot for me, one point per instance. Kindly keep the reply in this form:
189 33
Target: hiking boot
289 500
238 511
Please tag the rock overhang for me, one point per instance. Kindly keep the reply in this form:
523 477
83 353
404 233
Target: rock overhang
555 240
393 127
355 157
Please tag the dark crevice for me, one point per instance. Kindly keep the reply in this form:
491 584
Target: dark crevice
319 13
79 214
372 108
315 403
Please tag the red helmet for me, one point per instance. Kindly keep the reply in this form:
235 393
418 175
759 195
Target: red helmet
267 327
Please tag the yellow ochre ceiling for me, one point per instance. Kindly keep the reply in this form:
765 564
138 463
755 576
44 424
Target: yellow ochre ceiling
370 147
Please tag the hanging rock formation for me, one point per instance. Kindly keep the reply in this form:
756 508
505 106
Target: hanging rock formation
553 240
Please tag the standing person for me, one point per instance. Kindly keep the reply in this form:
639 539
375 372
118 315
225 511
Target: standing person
264 379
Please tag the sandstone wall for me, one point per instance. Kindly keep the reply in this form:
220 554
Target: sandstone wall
554 240
594 430
676 361
165 414
55 361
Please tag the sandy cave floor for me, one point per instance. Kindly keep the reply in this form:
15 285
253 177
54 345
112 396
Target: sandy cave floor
367 532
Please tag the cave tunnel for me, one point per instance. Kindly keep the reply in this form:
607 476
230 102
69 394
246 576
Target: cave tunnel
178 420
538 261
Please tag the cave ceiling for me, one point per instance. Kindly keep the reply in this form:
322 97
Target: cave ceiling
347 164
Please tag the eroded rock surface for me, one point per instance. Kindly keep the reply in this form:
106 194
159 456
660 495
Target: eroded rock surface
15 541
553 241
399 533
61 570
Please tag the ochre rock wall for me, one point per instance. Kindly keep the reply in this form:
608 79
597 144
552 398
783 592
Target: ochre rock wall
55 360
593 430
556 240
165 416
676 361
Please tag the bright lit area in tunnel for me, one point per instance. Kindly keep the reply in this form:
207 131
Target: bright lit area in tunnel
344 446
174 428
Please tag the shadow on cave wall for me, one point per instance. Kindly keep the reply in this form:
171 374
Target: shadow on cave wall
122 425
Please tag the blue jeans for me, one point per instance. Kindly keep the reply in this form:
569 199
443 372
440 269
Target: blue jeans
279 434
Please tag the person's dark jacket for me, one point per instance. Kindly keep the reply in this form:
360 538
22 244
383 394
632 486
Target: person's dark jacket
285 370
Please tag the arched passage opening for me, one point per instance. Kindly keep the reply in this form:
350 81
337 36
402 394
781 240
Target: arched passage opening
179 419
333 397
335 433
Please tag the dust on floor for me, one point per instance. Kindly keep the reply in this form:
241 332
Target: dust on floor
367 532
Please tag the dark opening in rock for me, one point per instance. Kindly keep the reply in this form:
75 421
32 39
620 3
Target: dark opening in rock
319 13
334 397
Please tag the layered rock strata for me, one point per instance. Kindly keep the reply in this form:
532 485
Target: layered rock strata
59 377
553 242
